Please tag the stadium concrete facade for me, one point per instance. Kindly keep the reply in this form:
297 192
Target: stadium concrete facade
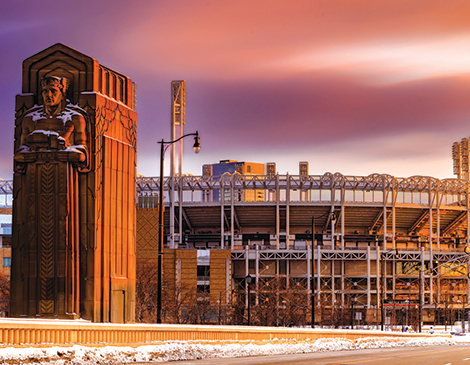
365 245
381 243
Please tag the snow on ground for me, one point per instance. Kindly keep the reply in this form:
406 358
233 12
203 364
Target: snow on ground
191 350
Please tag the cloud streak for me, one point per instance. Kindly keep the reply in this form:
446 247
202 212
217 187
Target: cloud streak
363 86
386 63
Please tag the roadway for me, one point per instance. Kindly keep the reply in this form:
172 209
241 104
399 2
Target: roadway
433 355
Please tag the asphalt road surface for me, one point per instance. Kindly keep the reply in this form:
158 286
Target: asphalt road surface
439 355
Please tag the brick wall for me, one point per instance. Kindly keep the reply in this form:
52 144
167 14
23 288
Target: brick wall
218 267
147 233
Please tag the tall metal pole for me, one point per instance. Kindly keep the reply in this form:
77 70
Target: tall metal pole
420 300
313 273
248 279
160 236
196 147
171 186
351 299
445 310
382 284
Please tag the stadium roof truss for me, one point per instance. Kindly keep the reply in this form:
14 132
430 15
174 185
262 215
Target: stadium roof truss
378 203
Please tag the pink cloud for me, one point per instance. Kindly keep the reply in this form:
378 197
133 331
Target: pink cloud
309 77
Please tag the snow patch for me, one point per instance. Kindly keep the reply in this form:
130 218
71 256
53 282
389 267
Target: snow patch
192 350
66 116
47 133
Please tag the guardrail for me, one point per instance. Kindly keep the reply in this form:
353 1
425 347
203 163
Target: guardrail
15 332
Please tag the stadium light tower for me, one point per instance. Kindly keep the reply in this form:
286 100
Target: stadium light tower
178 118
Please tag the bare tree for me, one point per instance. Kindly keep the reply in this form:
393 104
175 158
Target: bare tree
273 303
146 291
4 295
178 302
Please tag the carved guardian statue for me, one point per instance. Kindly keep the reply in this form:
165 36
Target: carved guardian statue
73 244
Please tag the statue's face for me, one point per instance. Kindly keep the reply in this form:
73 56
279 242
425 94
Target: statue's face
51 95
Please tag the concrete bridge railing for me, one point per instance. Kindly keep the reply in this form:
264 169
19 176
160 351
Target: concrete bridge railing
43 332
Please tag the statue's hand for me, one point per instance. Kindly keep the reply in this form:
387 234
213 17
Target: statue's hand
75 153
80 147
23 148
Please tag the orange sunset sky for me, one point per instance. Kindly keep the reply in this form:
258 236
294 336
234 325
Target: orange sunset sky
357 87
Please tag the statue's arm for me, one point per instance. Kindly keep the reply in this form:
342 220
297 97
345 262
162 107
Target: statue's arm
79 146
25 130
80 130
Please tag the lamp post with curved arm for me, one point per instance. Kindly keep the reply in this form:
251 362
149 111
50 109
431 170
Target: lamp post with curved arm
312 281
164 146
249 280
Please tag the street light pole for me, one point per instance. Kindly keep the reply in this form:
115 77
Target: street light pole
420 300
446 307
351 299
248 282
160 237
408 284
196 148
382 311
313 273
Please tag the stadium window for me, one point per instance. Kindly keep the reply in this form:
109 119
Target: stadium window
6 261
203 272
203 289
